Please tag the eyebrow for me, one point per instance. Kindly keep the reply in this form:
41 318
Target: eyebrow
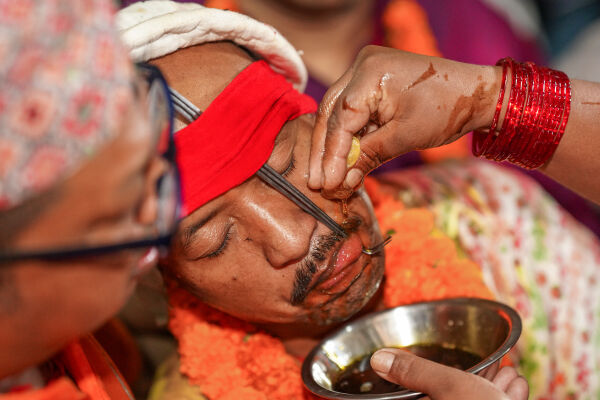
189 232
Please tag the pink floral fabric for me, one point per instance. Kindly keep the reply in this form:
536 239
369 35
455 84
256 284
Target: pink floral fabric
64 79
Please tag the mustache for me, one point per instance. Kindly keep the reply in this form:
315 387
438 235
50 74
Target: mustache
319 252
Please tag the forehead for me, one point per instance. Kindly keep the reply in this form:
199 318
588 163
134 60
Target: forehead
201 72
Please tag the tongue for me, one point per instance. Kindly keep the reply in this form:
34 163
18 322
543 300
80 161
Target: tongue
348 253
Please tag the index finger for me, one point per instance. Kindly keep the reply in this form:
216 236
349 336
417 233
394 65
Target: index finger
317 147
349 115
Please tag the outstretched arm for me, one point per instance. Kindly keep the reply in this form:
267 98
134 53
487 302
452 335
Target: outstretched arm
398 102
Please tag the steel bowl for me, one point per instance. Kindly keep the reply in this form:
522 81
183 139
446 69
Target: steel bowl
485 328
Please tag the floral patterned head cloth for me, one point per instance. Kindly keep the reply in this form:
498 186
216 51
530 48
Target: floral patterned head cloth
64 77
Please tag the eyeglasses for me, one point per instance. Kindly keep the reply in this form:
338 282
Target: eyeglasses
161 112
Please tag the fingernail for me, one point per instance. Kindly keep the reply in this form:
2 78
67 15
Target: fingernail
353 178
382 361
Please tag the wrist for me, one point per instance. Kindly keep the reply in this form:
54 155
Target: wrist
485 94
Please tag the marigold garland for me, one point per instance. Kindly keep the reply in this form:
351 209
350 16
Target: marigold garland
217 349
422 264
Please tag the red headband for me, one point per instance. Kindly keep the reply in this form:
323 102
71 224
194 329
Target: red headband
235 136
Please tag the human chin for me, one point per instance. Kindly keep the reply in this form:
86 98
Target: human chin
346 279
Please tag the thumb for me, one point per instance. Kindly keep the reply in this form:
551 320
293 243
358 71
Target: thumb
438 381
376 147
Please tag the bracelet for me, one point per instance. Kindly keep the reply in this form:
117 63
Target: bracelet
539 103
485 141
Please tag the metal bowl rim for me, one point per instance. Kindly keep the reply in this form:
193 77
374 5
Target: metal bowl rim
509 342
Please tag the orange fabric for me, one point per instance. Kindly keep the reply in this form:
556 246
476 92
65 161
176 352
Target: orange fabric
62 389
93 371
96 377
457 149
407 28
222 4
119 344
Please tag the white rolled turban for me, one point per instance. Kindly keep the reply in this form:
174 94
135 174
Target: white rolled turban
155 28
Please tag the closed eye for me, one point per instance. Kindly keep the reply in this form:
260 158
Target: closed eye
291 167
222 247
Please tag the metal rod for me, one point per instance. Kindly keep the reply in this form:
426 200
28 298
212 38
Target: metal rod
279 183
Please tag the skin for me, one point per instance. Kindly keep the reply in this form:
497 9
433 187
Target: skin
110 199
246 259
445 383
409 102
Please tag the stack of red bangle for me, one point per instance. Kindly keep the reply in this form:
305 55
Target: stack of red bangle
536 116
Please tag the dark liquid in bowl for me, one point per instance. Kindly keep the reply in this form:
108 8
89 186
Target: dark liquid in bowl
359 377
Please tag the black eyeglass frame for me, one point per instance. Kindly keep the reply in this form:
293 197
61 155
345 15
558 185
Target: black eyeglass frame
162 241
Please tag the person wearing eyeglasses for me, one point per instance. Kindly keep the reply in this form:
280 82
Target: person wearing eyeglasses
88 194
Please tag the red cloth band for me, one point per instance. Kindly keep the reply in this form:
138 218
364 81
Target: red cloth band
235 136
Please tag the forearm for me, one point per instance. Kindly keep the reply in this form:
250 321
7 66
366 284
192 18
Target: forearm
576 162
397 102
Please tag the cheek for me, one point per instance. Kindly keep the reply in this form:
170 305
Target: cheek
67 302
246 287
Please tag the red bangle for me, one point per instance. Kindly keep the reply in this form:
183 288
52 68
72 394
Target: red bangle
535 120
530 114
483 139
531 129
514 114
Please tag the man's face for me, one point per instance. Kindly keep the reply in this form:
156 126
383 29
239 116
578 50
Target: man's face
111 199
253 253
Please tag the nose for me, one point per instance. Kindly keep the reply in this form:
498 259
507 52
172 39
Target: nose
281 228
